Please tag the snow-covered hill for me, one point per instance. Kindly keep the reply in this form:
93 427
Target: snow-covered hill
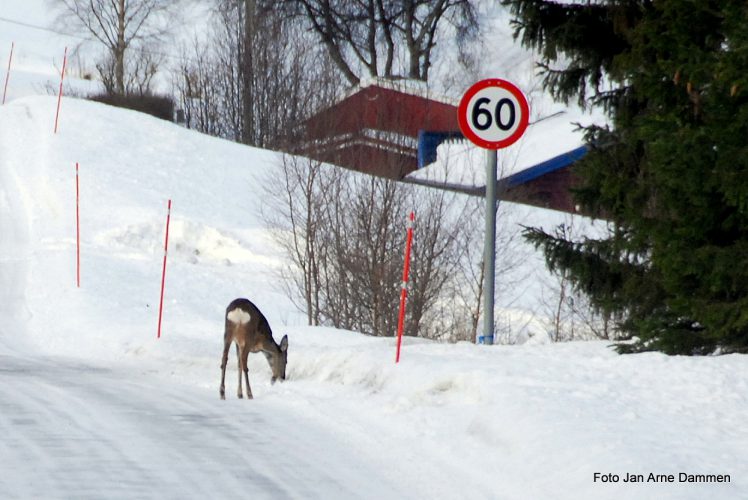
92 404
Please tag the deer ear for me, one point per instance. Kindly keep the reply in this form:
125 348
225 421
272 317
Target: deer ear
284 343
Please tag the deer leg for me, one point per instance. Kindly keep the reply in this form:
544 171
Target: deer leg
240 369
245 353
224 360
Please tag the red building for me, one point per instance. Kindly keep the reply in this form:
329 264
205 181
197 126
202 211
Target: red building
375 130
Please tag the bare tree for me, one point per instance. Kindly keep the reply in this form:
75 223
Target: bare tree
119 25
364 37
360 253
372 256
344 232
569 312
197 90
295 216
263 76
139 71
445 230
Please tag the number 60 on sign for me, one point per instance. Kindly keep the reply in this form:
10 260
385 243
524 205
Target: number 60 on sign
493 113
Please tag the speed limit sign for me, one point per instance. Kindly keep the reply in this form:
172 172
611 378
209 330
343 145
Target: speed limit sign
493 113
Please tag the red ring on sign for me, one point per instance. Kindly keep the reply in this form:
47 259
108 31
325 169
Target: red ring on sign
462 113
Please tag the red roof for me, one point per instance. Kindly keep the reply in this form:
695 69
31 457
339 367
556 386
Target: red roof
375 130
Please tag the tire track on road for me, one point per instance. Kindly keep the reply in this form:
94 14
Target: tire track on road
74 430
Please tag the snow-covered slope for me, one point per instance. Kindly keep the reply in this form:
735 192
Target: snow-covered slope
130 165
450 421
93 405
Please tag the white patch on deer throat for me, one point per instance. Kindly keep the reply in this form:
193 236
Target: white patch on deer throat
238 316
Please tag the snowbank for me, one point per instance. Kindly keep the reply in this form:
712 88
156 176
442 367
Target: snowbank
450 421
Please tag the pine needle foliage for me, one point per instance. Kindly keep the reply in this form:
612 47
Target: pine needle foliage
670 171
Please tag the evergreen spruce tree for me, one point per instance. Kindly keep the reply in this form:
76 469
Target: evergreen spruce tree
670 171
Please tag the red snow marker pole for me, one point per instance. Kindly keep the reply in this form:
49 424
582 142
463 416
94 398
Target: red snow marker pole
59 94
7 73
163 272
404 290
77 230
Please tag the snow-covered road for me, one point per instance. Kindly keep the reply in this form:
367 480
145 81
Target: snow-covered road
93 405
75 430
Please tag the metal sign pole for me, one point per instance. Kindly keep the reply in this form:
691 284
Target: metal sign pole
489 247
493 114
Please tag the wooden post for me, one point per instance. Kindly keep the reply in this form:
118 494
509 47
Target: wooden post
7 73
404 290
59 94
163 272
77 230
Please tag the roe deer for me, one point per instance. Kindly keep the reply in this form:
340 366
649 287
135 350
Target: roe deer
246 326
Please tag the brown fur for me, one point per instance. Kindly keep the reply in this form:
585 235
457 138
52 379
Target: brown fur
252 336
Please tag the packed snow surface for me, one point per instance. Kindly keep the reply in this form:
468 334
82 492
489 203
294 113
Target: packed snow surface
94 405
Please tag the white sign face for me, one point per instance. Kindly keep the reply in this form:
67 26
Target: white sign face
493 114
